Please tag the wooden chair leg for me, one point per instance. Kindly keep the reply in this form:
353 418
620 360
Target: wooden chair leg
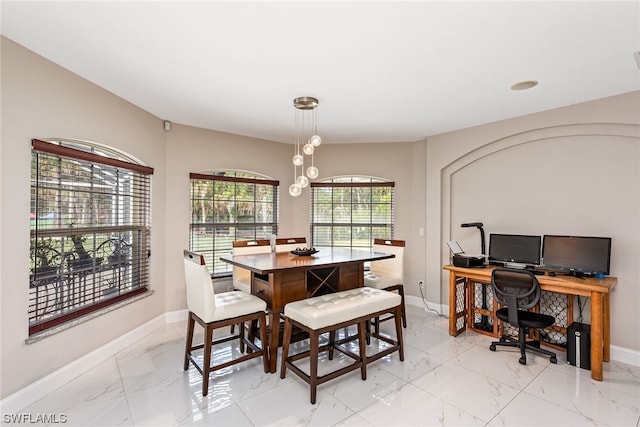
263 338
404 312
187 351
251 334
397 315
206 368
285 347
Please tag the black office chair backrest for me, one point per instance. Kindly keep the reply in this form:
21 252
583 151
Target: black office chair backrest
515 289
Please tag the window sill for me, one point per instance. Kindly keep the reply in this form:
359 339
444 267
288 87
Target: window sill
51 331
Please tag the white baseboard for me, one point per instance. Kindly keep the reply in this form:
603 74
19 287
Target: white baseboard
625 355
439 309
35 391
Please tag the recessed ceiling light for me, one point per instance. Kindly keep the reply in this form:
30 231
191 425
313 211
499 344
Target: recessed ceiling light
524 85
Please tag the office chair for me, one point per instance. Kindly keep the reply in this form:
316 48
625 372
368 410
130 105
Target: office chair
518 291
213 311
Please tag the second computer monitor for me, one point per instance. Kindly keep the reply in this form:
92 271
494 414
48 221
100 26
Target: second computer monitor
514 250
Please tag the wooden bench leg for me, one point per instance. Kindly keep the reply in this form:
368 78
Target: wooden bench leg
313 363
362 341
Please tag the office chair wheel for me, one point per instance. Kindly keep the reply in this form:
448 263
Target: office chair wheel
523 360
553 359
503 339
492 347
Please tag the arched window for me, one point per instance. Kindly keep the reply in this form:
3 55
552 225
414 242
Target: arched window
351 211
90 230
230 205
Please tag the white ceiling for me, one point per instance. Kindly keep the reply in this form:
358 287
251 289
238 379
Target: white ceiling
382 71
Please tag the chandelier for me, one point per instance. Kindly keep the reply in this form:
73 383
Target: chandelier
306 135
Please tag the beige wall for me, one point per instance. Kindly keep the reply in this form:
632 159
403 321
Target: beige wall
440 183
574 170
41 100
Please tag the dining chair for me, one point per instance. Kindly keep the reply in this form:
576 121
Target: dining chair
214 311
388 274
242 276
286 244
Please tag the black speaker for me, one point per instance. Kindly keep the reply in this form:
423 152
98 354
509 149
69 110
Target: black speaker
579 345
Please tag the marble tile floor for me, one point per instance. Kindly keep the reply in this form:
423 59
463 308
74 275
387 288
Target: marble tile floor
443 381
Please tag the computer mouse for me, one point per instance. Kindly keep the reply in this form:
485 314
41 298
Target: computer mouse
551 273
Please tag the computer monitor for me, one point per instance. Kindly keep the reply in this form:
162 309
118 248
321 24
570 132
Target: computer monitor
577 255
514 250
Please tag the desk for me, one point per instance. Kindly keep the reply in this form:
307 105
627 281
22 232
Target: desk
596 289
280 278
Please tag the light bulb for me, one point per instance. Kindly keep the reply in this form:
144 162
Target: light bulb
308 149
298 160
315 140
312 172
295 190
302 181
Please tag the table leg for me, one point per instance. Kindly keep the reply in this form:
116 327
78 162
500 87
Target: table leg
606 324
596 335
452 304
274 337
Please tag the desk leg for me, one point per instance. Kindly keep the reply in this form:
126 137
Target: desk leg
606 324
274 337
452 304
597 328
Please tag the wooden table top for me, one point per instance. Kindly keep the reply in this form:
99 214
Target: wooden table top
325 257
580 286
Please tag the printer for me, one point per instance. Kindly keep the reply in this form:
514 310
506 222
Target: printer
460 259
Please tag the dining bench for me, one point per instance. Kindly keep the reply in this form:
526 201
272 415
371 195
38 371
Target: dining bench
331 312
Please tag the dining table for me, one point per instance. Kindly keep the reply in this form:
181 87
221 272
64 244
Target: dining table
282 277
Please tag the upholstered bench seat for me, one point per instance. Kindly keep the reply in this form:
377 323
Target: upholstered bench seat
319 312
328 313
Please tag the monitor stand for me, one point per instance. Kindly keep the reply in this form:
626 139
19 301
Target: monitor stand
516 265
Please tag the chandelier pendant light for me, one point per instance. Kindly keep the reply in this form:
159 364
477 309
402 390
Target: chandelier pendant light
306 134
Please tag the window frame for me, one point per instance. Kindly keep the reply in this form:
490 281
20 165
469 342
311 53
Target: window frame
355 183
100 258
213 238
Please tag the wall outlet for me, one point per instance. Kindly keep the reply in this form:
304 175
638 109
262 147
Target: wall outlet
421 284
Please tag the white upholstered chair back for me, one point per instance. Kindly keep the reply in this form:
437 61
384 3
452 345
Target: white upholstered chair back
200 294
290 243
242 276
392 267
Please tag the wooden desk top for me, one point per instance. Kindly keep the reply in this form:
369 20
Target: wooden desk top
326 257
561 284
